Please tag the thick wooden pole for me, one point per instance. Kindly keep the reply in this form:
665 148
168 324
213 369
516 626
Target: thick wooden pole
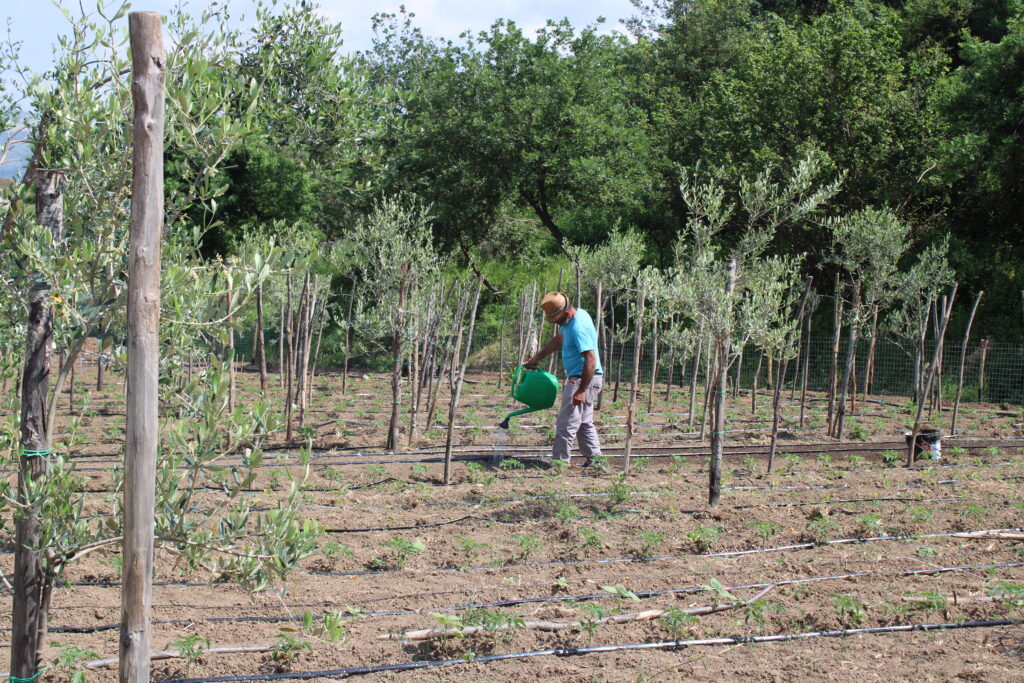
28 609
142 427
851 355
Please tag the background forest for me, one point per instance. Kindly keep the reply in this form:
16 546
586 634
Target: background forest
525 150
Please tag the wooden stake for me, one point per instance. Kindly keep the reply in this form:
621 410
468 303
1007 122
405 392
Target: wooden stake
693 376
963 358
396 367
637 341
260 342
723 344
453 404
981 369
851 355
348 337
142 422
931 375
807 358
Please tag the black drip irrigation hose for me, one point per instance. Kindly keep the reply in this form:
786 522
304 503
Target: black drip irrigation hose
662 558
599 649
551 598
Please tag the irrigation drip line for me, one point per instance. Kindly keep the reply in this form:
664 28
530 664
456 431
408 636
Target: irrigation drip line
530 601
486 454
698 473
662 558
599 649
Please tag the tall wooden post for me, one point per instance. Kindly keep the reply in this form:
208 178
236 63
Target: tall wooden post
142 428
724 342
963 358
396 367
31 590
637 341
260 341
457 382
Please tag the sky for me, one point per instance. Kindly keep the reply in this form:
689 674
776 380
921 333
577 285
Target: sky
38 23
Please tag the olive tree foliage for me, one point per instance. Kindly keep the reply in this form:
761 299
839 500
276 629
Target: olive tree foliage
763 205
391 247
82 122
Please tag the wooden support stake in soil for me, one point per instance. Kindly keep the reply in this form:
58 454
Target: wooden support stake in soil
963 358
637 341
396 366
622 356
300 350
851 355
981 369
807 358
457 385
289 364
348 337
260 342
723 344
142 421
783 366
837 331
501 346
599 327
654 359
869 372
280 346
30 602
693 376
230 356
931 376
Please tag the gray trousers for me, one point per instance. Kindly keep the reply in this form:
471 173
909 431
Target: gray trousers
577 421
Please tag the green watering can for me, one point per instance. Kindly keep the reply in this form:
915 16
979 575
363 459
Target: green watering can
536 388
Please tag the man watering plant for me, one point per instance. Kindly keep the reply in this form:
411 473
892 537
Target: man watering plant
577 339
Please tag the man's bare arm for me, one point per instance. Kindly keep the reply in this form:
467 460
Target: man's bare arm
554 345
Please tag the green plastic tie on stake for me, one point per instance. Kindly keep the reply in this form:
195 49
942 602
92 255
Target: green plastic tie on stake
15 679
36 454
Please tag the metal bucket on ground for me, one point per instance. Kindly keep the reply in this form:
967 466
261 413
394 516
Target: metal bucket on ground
929 444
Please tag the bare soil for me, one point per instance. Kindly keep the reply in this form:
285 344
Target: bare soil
553 546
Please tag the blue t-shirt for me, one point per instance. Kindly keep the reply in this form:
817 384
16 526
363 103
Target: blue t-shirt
579 335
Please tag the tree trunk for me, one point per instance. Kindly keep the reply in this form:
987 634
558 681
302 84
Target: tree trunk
622 356
453 404
753 389
922 332
693 377
282 318
736 377
299 367
501 346
783 366
654 359
28 608
637 341
718 433
260 341
396 367
307 350
230 354
851 354
348 338
289 364
142 420
869 371
963 358
837 330
807 362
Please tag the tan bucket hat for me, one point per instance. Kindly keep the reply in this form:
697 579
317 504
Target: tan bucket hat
554 305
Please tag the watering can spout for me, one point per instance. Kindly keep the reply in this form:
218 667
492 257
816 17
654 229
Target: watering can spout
536 388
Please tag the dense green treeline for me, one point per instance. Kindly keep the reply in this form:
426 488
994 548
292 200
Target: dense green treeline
523 145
